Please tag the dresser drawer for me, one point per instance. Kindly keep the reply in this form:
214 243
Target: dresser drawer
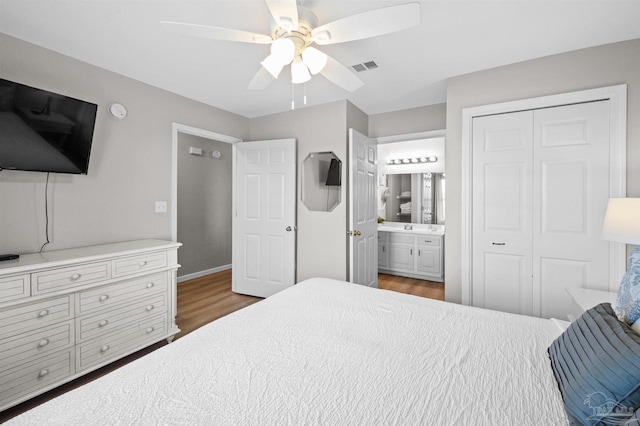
114 345
107 296
134 264
23 318
12 288
69 278
36 342
396 237
428 240
24 379
91 326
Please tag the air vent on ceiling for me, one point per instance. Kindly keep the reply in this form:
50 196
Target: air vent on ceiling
365 66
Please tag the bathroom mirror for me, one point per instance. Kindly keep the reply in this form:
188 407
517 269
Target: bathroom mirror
321 181
412 198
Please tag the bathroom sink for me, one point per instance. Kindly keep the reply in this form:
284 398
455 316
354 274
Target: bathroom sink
416 229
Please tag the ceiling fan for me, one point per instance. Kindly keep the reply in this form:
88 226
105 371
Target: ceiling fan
295 28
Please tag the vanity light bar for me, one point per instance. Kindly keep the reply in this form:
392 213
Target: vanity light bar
430 159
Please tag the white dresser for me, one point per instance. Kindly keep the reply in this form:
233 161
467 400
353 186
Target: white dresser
65 313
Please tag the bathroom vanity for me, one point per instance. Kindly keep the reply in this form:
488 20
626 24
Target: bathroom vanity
411 250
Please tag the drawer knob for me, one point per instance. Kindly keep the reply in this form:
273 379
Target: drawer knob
43 342
43 313
149 285
143 263
149 307
103 323
150 329
104 348
75 277
104 297
43 372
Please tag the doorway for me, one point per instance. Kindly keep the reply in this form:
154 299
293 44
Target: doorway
201 187
616 95
411 207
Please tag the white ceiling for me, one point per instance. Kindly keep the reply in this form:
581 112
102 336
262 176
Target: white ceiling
455 37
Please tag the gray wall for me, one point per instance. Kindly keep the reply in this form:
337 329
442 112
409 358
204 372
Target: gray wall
321 238
204 205
414 120
130 166
578 70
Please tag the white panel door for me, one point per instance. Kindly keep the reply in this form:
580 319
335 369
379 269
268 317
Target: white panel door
571 180
502 146
264 237
541 181
363 218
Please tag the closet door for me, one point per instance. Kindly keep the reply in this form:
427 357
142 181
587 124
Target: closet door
540 191
571 190
502 169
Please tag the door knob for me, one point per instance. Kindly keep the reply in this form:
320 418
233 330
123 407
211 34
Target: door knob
357 233
290 228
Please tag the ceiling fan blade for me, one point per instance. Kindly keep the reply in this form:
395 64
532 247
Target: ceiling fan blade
284 12
261 80
217 33
340 75
368 24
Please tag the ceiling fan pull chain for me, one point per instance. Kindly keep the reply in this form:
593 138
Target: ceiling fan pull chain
293 104
304 99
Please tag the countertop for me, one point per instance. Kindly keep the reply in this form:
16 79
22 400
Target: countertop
415 228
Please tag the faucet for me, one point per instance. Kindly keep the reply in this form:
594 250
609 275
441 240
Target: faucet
408 227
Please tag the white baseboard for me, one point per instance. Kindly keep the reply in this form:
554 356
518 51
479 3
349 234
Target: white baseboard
203 273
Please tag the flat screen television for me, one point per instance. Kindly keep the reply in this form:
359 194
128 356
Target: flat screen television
334 174
44 131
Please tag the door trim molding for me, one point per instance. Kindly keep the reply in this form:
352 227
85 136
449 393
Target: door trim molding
176 129
617 95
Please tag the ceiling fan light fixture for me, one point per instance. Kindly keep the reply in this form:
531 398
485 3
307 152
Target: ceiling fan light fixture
299 72
273 64
314 59
283 49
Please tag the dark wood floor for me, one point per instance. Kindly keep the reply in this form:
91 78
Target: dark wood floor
206 299
422 288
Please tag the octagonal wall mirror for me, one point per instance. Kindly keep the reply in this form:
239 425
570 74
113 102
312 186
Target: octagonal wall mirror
321 181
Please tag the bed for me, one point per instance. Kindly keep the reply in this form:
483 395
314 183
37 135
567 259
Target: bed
330 352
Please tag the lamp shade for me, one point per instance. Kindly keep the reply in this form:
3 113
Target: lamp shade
284 50
314 59
622 221
299 72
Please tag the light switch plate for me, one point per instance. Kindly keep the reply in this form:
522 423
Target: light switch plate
161 206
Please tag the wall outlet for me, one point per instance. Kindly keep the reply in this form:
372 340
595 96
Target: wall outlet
161 206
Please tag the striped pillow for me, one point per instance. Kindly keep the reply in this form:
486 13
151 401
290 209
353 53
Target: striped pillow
596 363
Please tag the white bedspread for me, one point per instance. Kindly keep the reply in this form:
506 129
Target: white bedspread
327 352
